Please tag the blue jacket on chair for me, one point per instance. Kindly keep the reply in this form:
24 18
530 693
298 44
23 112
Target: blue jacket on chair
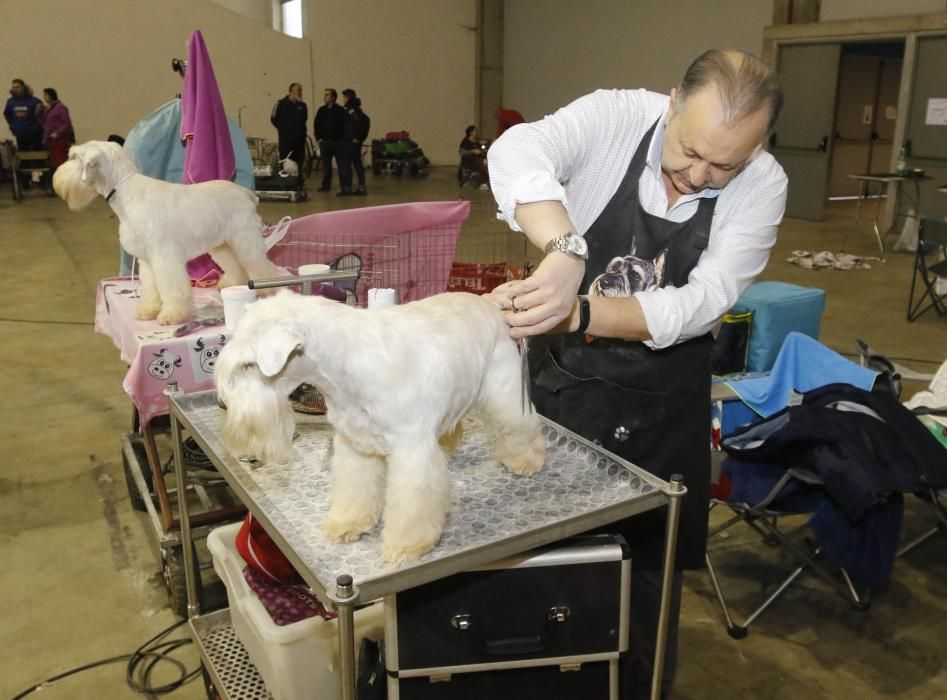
867 449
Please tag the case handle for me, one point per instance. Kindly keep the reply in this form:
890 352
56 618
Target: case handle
512 646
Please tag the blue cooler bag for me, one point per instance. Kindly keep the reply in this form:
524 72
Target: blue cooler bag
778 309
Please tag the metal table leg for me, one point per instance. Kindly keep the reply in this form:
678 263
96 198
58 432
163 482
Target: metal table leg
676 491
190 576
345 597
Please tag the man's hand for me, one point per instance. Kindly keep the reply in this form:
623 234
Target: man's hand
545 299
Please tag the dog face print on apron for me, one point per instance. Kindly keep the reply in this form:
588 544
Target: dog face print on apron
651 407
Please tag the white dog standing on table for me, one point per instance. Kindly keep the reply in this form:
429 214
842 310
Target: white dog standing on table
165 224
394 381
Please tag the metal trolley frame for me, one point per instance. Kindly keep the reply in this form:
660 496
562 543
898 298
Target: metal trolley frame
581 487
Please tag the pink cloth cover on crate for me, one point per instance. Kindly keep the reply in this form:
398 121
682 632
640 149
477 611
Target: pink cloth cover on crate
409 247
209 153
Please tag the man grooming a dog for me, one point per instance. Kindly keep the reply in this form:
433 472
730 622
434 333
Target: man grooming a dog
659 211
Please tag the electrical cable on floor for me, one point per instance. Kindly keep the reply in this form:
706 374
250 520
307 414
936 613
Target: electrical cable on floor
140 665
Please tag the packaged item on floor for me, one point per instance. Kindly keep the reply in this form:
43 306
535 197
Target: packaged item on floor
547 624
297 661
778 308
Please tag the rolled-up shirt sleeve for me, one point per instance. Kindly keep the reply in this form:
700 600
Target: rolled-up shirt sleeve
530 162
738 250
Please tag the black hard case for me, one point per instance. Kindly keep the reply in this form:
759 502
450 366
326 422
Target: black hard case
550 623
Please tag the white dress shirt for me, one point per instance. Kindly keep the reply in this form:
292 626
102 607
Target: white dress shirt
579 155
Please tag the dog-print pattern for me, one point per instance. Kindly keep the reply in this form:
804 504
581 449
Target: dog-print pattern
204 352
622 433
164 364
627 275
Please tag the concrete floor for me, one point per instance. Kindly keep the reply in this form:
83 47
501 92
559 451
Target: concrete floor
80 581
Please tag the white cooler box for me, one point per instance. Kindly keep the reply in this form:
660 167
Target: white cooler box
298 661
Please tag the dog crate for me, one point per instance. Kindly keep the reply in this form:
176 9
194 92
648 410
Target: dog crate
405 247
489 253
551 623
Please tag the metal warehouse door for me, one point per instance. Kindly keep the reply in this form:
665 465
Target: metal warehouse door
803 136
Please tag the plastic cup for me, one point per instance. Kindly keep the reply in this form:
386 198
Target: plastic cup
235 300
382 298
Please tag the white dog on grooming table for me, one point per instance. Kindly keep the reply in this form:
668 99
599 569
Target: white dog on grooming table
395 380
165 224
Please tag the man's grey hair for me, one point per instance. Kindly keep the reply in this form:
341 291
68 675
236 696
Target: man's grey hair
744 83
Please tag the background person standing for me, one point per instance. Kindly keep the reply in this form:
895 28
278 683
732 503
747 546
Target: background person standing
291 117
354 132
330 118
24 114
57 128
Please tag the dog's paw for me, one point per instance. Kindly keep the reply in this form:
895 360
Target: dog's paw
523 457
173 317
399 554
147 312
344 529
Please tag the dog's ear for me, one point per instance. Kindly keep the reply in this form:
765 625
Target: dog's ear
659 266
89 160
274 348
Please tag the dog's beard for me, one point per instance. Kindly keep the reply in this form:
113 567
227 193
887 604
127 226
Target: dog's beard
259 421
610 285
68 184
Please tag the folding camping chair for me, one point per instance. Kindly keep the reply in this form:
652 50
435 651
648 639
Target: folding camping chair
795 492
936 501
930 262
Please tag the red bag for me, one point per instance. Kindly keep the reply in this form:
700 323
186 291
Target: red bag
397 136
262 555
477 278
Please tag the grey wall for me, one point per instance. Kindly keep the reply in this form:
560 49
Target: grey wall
854 9
412 62
557 50
110 60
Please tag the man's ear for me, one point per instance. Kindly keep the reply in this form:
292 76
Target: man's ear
672 105
274 349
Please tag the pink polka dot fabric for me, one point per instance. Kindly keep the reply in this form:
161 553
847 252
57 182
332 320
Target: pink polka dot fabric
286 604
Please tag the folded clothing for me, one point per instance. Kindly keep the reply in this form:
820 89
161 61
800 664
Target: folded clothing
286 604
803 364
262 555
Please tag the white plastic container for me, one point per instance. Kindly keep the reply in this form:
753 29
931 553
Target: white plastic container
298 661
235 300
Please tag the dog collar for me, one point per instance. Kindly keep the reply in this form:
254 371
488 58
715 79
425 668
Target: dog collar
118 184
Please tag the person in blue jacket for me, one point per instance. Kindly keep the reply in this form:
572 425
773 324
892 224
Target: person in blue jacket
23 113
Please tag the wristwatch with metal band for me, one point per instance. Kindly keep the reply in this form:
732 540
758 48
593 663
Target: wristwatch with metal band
571 244
585 313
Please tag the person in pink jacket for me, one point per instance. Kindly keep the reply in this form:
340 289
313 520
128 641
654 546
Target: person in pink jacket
57 128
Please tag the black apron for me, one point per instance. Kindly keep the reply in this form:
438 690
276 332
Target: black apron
650 407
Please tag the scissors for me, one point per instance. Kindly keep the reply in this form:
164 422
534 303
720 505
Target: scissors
526 399
189 328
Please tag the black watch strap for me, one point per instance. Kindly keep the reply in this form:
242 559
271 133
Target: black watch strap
585 314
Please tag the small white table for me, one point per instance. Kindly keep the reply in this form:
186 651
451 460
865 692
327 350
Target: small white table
865 181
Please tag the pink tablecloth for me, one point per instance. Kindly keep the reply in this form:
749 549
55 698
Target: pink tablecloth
154 356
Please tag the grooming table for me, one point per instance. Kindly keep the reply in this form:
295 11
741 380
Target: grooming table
494 514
